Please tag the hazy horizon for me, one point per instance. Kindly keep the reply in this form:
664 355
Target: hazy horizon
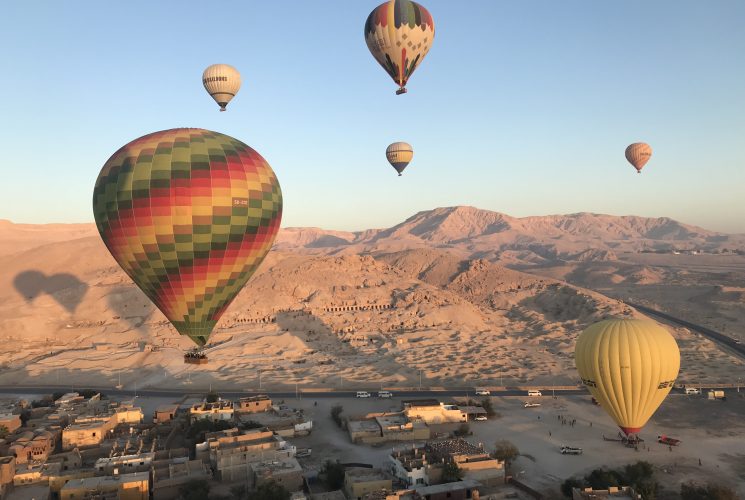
519 108
361 229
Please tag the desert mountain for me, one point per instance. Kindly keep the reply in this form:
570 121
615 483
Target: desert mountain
363 308
498 237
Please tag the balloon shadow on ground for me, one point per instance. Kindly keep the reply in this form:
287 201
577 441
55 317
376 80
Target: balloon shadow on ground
130 305
66 289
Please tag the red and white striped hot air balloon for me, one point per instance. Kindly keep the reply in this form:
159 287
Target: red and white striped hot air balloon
638 154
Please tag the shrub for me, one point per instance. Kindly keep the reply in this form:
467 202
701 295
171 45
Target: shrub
505 451
336 414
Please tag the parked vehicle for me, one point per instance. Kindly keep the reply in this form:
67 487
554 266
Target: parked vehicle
595 402
481 418
570 450
303 452
534 393
668 440
717 394
482 392
385 394
528 404
693 390
363 394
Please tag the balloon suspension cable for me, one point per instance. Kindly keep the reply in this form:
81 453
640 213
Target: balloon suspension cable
401 90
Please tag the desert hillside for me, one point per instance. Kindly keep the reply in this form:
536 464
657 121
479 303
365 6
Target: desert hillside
68 314
475 233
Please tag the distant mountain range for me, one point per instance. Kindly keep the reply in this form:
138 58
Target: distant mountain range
476 233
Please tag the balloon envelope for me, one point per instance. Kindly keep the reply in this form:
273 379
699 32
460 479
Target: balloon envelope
222 82
638 154
629 366
399 155
189 215
399 34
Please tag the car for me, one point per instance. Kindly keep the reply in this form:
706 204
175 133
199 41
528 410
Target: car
363 394
481 418
570 450
482 392
528 404
385 394
534 393
693 390
303 452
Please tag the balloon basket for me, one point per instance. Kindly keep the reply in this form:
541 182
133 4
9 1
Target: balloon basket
195 358
400 91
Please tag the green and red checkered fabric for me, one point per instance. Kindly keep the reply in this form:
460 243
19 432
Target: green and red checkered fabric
189 215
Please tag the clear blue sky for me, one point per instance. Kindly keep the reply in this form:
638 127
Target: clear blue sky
520 107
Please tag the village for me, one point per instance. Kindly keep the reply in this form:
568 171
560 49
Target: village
82 445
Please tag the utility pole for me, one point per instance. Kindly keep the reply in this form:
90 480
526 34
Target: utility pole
420 380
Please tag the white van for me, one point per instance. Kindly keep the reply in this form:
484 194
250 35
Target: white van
534 393
385 394
363 394
693 390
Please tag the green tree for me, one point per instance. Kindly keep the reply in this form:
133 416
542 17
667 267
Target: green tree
487 405
197 489
638 472
451 472
199 428
463 430
251 424
506 451
336 411
601 479
334 473
270 491
3 432
212 397
693 491
568 485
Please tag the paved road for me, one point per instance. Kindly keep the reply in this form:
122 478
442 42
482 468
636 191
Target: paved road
162 393
714 335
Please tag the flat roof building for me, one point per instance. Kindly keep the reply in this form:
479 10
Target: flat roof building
360 481
134 486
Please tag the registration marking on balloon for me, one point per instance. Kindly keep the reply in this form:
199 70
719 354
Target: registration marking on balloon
189 215
629 366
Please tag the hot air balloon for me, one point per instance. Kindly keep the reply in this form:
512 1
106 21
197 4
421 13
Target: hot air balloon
629 366
399 34
189 215
222 82
399 155
638 154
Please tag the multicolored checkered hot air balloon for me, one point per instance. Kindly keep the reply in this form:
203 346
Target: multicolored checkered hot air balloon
189 215
399 34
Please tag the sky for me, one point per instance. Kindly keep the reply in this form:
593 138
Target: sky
522 107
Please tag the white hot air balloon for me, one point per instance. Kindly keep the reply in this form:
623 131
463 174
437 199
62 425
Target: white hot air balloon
399 155
222 82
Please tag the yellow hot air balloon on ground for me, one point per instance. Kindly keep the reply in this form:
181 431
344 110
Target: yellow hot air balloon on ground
629 366
222 82
638 154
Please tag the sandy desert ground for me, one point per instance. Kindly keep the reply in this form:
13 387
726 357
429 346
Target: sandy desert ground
431 297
